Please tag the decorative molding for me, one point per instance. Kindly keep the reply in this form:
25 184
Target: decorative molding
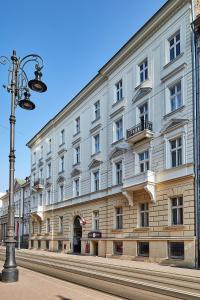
116 112
48 184
151 190
143 91
75 172
98 126
60 179
49 158
117 151
174 124
174 112
94 163
61 151
76 141
129 196
173 72
40 164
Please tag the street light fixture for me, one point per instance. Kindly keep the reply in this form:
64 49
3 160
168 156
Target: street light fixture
18 87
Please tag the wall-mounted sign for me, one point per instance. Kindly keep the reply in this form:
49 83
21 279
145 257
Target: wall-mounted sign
94 235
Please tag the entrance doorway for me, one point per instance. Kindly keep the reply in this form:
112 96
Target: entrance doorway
95 248
77 235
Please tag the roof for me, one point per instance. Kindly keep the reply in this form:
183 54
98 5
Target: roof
147 30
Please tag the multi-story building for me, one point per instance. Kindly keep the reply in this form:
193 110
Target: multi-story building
22 212
113 172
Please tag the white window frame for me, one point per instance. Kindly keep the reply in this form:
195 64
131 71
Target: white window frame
61 164
48 197
77 155
49 170
144 212
76 193
95 220
77 125
97 110
173 37
41 199
176 95
118 215
34 157
119 90
49 145
48 225
62 137
115 170
176 151
94 144
41 151
116 136
61 192
142 72
93 180
61 225
178 208
145 162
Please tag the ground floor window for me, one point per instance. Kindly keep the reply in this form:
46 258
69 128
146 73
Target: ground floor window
60 246
31 243
176 250
47 244
118 247
39 244
143 249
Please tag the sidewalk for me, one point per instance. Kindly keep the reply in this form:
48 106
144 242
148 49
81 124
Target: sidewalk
36 286
120 262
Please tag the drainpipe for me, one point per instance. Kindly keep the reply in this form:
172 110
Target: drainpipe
196 138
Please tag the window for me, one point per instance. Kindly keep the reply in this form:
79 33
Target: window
96 180
76 187
174 46
97 110
119 217
49 145
175 96
61 192
41 174
61 224
144 161
34 157
49 170
177 210
48 225
96 220
48 197
96 143
144 215
143 115
33 227
77 155
41 152
143 67
77 125
118 129
176 152
62 137
119 91
143 249
41 200
176 250
118 169
61 166
118 247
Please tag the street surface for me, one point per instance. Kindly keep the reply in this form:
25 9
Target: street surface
36 286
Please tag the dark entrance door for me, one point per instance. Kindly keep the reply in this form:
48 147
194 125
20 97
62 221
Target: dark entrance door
77 235
95 244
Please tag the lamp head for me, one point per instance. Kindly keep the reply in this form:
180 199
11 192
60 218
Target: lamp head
36 84
26 103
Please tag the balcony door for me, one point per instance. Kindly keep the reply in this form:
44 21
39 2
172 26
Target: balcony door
143 115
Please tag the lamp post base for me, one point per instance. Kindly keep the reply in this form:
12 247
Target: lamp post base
10 275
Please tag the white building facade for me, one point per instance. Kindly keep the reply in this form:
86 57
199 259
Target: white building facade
112 174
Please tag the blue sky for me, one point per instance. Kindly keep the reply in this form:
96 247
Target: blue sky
75 38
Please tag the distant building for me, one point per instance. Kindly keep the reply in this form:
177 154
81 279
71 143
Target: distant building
112 174
22 212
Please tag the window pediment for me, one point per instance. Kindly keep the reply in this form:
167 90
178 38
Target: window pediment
143 91
173 124
117 151
94 163
75 172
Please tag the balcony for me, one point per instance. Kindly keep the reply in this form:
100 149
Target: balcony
38 184
144 181
37 212
140 132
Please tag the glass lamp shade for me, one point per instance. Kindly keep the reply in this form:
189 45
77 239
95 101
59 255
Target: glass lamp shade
27 103
36 84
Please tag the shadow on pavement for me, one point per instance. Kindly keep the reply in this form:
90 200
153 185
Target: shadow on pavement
63 298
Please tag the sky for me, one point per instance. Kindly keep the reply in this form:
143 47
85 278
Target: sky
75 38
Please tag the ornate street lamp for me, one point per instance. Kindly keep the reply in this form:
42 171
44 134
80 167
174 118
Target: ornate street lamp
18 86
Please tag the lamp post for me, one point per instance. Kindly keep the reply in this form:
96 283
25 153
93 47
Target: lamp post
18 86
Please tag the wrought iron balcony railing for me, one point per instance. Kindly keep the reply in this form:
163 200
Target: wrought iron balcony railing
38 182
139 128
